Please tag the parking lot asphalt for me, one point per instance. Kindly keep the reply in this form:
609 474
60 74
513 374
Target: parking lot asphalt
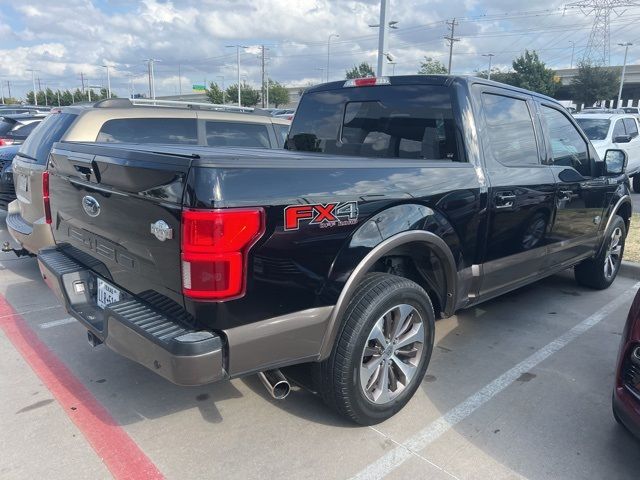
517 387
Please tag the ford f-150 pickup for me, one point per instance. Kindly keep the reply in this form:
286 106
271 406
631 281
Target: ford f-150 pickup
397 201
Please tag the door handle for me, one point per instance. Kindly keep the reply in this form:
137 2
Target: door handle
565 194
505 200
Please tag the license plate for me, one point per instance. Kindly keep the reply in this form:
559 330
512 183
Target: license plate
22 183
107 294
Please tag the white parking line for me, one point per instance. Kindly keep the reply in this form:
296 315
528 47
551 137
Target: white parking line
396 457
56 323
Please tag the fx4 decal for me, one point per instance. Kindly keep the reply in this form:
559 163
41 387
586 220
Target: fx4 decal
324 215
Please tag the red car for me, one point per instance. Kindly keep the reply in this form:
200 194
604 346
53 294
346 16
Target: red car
626 394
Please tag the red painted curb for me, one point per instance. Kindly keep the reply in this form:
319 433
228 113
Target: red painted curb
120 454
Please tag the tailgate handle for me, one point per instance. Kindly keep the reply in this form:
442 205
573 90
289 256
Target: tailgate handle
88 171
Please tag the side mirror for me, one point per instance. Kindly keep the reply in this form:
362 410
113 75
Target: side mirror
622 139
615 162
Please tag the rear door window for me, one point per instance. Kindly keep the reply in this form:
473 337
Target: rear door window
400 121
37 145
631 126
150 130
510 132
618 129
236 134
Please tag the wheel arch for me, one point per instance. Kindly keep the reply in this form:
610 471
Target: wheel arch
401 242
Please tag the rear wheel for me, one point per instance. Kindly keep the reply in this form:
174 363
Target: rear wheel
382 352
600 272
636 183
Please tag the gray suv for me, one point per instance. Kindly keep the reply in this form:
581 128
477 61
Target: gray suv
120 121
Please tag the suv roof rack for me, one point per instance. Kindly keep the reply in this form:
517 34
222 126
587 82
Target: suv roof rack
146 102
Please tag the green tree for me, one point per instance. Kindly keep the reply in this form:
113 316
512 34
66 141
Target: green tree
278 94
66 98
593 83
430 66
11 101
360 71
249 95
531 73
215 94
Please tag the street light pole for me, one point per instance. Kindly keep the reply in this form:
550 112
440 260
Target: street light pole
490 55
238 47
573 50
33 80
626 46
382 37
329 51
108 81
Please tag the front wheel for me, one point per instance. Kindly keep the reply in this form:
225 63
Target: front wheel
381 354
600 272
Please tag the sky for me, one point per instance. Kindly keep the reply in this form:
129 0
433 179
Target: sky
61 40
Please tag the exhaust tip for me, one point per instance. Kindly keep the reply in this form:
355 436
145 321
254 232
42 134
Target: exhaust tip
276 384
93 340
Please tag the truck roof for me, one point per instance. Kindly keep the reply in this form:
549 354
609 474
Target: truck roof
444 80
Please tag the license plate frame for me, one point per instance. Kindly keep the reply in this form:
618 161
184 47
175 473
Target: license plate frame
106 294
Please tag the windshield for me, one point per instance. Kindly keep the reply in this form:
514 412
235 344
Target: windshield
50 130
595 128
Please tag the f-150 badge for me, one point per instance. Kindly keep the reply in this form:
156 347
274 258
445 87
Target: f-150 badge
324 215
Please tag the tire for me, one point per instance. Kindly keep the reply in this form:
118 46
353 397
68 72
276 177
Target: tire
636 183
591 273
352 380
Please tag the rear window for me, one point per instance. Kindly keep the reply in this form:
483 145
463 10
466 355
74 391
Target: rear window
594 128
401 121
24 130
37 145
150 130
235 134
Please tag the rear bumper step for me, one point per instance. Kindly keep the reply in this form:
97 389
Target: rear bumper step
133 328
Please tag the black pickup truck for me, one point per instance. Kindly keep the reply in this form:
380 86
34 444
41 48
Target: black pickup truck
397 201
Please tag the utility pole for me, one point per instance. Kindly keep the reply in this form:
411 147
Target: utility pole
2 92
33 81
490 55
263 96
46 100
9 87
39 85
180 80
58 93
82 80
382 37
626 46
329 51
108 81
451 39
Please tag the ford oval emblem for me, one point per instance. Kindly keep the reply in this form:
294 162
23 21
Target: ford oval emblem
91 206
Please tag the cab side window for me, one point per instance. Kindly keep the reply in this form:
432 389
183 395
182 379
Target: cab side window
568 148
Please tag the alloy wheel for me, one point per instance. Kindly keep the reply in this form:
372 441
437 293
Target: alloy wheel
614 254
392 354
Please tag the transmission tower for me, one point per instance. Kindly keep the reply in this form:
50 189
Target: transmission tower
598 49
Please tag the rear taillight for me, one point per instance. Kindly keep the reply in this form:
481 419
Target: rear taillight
5 141
45 197
214 251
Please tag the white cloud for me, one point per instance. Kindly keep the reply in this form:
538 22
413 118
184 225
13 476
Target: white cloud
63 39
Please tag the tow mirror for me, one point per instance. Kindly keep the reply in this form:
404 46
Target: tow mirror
622 139
615 162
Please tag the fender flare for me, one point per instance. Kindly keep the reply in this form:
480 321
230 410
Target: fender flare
439 247
614 211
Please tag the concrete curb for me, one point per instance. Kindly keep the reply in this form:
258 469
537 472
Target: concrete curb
630 269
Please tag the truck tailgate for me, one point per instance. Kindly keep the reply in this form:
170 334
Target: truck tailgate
105 203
